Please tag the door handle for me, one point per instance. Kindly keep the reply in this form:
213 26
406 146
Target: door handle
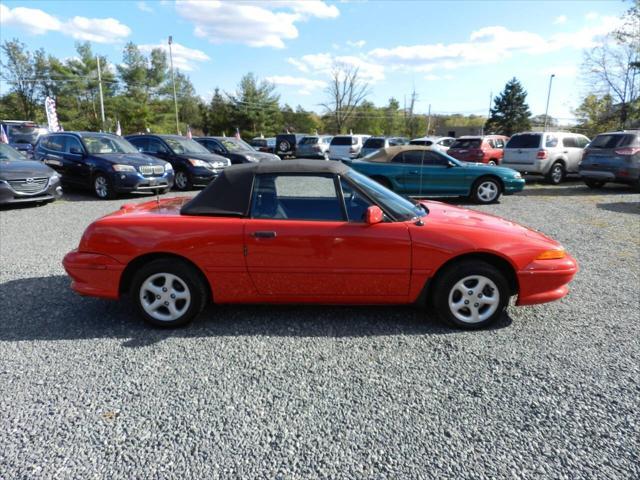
264 234
413 172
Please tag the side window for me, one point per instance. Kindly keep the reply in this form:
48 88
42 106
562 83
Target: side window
355 203
551 142
399 158
72 143
582 141
296 197
569 142
499 143
491 142
433 159
216 147
156 146
140 143
56 143
415 157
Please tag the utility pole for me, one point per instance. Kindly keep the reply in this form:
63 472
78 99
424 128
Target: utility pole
488 111
173 80
546 110
429 120
100 90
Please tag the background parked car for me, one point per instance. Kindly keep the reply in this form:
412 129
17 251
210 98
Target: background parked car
235 150
105 163
23 180
424 172
612 157
313 146
193 164
287 144
346 146
488 149
372 144
438 143
23 135
267 145
553 154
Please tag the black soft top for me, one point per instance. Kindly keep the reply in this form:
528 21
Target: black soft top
230 193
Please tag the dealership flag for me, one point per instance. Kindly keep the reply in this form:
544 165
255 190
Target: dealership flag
118 129
237 133
189 134
3 135
52 116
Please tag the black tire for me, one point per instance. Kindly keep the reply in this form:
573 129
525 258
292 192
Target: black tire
188 279
556 174
594 183
102 187
486 190
182 181
383 181
446 285
492 162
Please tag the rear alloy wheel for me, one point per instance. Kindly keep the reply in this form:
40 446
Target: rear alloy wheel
556 174
471 294
486 190
594 183
102 187
182 181
168 293
492 163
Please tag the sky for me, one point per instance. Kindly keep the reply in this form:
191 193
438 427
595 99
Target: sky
455 54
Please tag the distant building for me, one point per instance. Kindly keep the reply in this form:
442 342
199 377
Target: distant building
457 131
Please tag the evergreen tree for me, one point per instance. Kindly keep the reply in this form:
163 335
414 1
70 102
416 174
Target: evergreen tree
510 113
254 107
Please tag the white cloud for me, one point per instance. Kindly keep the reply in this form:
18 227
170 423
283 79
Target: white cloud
323 63
144 7
257 24
184 58
432 78
99 30
591 16
33 20
561 71
305 85
38 22
559 20
356 44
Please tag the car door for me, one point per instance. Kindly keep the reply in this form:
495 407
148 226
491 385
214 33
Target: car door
573 152
52 148
300 244
77 168
439 177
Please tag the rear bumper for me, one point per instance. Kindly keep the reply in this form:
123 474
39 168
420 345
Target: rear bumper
544 281
622 175
93 274
538 166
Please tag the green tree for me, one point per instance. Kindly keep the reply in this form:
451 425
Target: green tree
510 113
392 121
367 119
254 107
596 115
216 121
21 71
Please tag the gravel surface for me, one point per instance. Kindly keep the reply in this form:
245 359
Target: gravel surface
89 391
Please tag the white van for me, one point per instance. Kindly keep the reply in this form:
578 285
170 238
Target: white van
346 146
552 154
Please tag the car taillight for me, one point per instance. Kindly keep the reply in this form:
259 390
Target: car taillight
353 149
627 151
316 147
541 155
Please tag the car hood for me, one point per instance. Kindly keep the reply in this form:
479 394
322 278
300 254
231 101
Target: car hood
207 157
24 169
133 159
261 156
484 168
448 214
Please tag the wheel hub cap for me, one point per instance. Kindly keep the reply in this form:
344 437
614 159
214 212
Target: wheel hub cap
100 185
165 297
181 180
474 299
487 191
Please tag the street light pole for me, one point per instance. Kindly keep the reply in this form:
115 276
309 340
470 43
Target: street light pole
100 90
546 111
173 80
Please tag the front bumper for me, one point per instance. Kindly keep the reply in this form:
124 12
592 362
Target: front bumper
93 274
127 182
51 192
544 281
513 185
201 177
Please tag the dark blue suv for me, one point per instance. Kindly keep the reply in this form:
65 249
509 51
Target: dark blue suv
194 165
105 163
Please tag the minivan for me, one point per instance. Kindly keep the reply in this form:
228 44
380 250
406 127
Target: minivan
346 146
612 157
313 146
373 144
552 154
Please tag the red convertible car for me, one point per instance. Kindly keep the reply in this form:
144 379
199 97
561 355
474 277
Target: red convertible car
314 232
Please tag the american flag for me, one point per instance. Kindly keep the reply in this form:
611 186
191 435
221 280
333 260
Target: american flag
189 135
3 135
238 133
118 129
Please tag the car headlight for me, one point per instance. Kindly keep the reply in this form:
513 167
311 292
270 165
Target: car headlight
517 175
54 178
199 163
251 158
168 167
123 168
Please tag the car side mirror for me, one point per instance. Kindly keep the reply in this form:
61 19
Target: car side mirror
76 151
450 164
373 215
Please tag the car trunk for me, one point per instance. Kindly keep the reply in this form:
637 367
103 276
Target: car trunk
602 154
522 148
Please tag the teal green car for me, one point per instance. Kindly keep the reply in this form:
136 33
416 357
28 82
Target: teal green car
422 172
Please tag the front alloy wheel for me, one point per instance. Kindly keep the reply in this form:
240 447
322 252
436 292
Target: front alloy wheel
102 187
487 190
181 180
474 299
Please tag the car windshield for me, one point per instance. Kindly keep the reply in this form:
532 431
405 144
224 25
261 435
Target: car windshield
184 145
8 154
24 130
401 208
525 140
426 143
611 141
374 143
343 141
467 143
235 145
96 144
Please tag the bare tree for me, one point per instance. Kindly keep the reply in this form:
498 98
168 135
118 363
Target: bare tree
614 67
345 93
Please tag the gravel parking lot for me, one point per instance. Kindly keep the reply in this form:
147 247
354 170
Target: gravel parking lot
89 391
